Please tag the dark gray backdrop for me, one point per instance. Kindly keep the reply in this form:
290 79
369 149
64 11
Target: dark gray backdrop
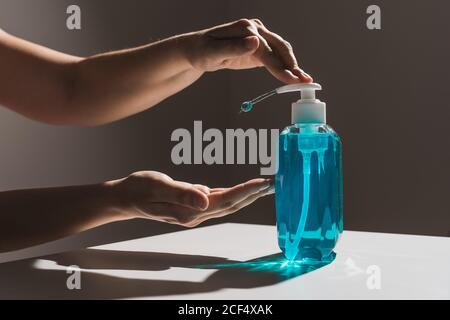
387 96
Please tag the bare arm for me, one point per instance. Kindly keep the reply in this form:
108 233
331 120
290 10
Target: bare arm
35 216
57 88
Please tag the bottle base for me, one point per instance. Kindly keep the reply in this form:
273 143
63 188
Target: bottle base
314 260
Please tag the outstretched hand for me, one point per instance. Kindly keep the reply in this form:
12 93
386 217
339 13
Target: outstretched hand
154 195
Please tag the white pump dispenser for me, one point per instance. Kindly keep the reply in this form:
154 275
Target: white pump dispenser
308 109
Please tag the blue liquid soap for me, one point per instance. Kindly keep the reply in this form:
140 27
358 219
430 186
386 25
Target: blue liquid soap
308 183
247 106
308 192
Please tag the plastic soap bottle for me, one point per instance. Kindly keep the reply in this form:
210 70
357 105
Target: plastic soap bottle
308 183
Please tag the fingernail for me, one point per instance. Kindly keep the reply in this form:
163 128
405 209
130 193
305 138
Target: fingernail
266 186
302 73
306 76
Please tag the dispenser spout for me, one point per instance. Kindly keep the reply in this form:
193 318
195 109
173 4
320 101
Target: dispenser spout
306 110
306 89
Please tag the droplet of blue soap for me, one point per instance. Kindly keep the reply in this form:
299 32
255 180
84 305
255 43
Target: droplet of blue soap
247 106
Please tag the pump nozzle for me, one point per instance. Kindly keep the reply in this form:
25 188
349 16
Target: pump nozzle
306 110
307 89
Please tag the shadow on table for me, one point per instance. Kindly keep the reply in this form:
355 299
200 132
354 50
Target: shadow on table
109 233
23 280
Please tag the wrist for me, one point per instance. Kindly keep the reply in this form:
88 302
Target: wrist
190 45
117 202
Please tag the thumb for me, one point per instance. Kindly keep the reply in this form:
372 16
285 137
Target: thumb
182 193
232 48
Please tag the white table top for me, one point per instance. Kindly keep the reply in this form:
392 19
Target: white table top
209 263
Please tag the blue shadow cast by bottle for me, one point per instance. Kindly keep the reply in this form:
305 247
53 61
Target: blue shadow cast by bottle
276 264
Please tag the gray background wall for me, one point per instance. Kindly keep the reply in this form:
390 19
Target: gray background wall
387 95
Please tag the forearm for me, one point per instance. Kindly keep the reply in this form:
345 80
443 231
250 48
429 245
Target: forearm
57 88
31 217
112 86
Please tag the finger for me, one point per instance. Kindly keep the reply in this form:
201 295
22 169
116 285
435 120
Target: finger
215 190
244 202
236 29
303 75
172 213
274 64
281 47
181 215
231 196
202 188
283 74
264 53
243 28
180 193
233 209
232 48
272 50
277 56
285 52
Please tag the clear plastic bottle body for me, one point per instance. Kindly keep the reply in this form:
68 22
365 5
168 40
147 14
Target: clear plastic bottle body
309 195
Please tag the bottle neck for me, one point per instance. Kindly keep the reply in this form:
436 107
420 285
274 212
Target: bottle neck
309 111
